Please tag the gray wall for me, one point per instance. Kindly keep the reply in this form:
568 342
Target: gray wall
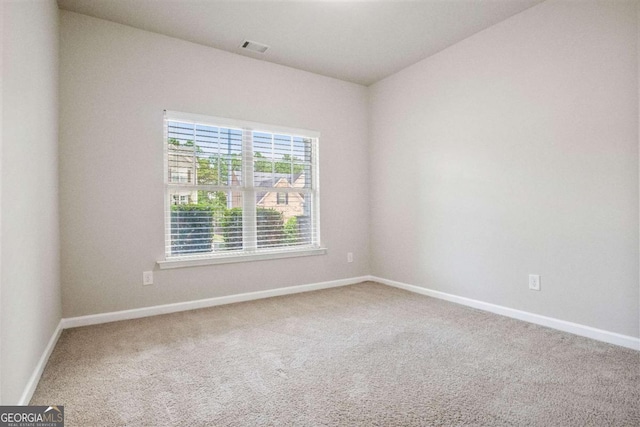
115 82
516 152
30 307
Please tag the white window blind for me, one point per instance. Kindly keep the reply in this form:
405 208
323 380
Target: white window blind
234 189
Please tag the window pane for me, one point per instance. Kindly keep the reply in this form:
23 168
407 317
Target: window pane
204 155
178 134
282 158
180 153
205 222
302 161
219 155
282 217
263 164
286 223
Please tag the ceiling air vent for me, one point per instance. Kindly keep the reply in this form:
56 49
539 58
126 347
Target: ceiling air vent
254 46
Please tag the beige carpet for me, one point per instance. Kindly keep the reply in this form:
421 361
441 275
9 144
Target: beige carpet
365 355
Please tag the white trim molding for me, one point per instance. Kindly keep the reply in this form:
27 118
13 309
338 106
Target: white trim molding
226 259
39 369
94 319
137 313
550 322
238 124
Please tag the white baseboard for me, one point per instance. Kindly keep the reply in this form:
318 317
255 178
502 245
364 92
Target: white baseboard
95 319
115 316
550 322
37 372
73 322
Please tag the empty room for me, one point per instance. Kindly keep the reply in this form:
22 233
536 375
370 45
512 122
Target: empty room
320 213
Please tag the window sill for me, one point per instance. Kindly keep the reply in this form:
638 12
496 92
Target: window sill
227 259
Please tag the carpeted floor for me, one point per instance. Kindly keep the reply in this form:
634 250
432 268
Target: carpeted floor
365 354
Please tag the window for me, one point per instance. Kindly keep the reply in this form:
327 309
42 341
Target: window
282 198
180 199
237 191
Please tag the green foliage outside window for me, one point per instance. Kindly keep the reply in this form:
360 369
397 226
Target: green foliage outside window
262 164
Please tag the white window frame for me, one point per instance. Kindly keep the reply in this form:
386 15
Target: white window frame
250 252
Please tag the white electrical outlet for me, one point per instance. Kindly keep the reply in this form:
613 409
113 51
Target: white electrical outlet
534 282
349 256
147 278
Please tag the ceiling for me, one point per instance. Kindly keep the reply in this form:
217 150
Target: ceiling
356 41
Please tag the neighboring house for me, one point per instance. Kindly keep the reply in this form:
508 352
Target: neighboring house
289 204
182 170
